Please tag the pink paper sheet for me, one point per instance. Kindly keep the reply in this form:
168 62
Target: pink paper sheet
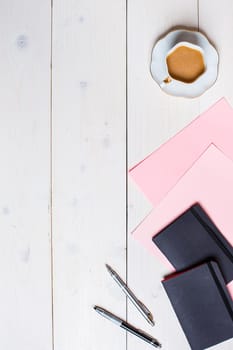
208 182
161 170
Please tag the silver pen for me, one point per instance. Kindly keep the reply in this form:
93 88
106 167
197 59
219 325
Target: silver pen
139 305
128 327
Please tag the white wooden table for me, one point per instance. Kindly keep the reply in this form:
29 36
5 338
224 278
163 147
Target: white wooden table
78 108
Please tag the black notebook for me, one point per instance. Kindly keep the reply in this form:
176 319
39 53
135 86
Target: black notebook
202 305
192 239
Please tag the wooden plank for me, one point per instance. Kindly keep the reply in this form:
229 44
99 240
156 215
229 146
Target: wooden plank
153 117
219 31
89 170
25 291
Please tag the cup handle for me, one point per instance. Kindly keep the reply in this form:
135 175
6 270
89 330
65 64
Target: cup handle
166 81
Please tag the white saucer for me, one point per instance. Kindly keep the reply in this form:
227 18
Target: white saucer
159 67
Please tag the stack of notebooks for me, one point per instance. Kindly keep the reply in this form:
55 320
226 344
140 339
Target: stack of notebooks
189 181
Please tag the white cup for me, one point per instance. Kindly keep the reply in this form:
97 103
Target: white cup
166 45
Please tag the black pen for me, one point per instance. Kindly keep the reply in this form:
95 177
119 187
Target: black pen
118 321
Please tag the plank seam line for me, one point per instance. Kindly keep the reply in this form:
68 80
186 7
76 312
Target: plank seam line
126 149
51 173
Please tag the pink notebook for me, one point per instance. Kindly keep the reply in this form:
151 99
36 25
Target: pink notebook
161 170
208 182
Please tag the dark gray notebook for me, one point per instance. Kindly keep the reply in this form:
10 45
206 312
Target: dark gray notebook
202 305
192 239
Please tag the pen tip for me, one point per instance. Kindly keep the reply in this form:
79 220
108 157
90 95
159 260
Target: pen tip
108 267
94 307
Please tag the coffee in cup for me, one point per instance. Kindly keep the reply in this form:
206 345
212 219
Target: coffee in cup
185 63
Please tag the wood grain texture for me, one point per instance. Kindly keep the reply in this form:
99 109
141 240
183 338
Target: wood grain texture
25 291
89 171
